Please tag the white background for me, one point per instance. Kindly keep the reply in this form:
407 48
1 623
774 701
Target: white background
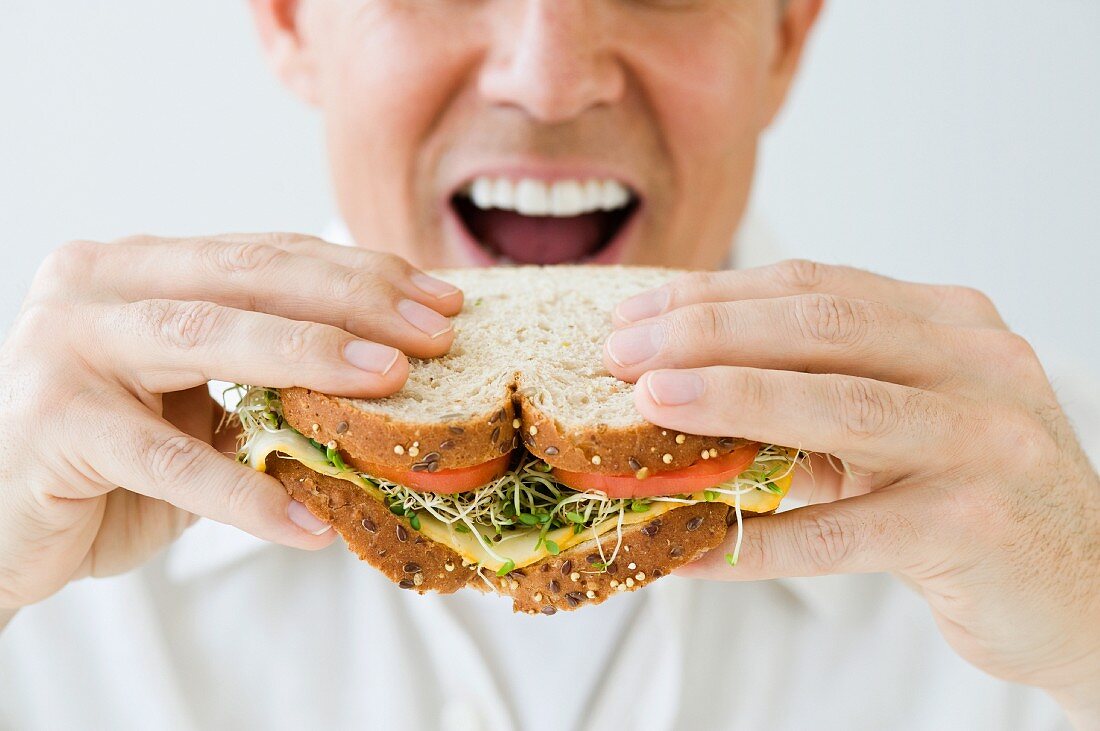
939 141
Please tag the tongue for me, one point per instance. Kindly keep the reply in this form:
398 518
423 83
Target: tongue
538 239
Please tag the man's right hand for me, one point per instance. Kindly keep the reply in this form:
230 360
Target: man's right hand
109 448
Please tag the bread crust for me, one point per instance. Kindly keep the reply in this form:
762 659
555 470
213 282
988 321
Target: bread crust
367 438
384 540
576 577
568 581
604 450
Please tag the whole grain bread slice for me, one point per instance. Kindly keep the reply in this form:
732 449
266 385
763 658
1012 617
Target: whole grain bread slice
526 366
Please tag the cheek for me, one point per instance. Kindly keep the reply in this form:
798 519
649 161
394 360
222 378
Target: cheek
704 77
385 79
706 84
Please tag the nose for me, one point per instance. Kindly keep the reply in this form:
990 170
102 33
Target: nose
551 59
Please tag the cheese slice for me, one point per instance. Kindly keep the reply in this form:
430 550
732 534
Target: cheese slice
517 546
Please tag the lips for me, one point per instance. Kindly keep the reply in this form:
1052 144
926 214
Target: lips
531 221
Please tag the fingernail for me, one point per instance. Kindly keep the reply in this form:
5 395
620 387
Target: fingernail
674 388
424 319
373 357
300 516
635 344
646 304
433 286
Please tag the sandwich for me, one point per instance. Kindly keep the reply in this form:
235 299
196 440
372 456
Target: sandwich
515 463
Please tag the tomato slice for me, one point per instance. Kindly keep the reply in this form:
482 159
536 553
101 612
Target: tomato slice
444 482
704 474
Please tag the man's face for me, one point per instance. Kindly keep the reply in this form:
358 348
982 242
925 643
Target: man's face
470 132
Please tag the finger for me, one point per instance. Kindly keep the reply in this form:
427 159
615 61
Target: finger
818 333
270 279
880 426
168 345
363 300
416 284
125 445
879 532
949 305
431 291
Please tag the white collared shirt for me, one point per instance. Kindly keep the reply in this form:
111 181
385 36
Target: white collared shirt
223 631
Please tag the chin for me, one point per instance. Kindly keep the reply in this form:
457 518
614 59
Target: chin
511 218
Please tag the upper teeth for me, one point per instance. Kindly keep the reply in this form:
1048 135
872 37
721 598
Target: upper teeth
533 197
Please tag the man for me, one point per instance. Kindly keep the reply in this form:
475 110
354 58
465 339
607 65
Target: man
468 132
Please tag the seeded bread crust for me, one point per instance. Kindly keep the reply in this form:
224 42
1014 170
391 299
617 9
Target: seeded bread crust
365 438
558 583
608 451
648 551
372 532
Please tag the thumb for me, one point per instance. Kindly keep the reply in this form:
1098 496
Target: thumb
876 532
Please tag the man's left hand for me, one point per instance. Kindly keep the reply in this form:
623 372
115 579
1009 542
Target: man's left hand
960 471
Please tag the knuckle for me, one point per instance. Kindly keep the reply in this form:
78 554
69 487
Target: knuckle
1012 350
801 274
1015 357
864 410
298 342
382 261
181 324
249 256
826 539
39 319
239 494
709 323
971 300
78 250
686 286
751 391
285 238
968 507
830 319
1025 442
175 459
68 262
359 285
972 297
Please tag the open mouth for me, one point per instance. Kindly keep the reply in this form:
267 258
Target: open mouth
531 221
